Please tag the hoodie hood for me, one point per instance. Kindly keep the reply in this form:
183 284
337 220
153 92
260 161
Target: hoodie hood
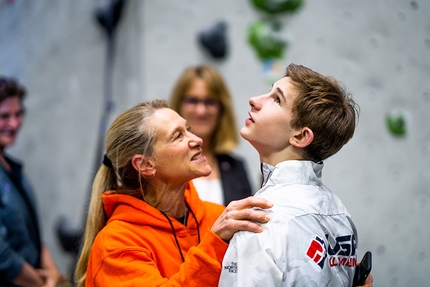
121 206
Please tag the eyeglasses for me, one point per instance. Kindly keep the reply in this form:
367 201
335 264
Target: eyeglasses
208 103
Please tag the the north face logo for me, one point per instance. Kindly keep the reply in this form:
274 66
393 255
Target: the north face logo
232 268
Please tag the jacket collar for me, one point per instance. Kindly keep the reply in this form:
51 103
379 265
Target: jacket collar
292 171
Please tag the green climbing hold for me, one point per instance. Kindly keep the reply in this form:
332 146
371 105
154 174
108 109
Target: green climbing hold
278 6
396 124
264 37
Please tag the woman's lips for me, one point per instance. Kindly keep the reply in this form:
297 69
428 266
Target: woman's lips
198 157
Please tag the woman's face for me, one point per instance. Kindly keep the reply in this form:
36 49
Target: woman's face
11 115
178 153
200 110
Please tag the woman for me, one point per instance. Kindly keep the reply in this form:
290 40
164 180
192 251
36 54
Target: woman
24 259
146 225
202 98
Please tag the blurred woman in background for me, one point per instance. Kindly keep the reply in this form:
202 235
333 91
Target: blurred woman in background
201 97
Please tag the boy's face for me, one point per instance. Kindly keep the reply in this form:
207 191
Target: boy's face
268 126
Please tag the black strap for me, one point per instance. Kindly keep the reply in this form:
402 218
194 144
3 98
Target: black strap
174 233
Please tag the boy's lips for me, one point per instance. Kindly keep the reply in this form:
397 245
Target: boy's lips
250 118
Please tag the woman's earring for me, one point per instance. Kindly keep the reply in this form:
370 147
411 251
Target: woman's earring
153 174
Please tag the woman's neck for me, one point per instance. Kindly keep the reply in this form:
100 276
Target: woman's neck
169 200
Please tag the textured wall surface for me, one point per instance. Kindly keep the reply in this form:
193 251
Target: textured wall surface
379 49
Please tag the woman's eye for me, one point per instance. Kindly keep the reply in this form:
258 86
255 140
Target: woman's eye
278 101
178 136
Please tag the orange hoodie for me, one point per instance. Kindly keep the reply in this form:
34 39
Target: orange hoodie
137 246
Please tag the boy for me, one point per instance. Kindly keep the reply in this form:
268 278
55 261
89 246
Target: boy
310 239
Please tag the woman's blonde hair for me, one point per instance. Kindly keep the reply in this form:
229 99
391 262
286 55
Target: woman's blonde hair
131 133
226 135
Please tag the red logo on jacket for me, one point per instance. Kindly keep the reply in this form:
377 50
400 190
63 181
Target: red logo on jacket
340 250
317 251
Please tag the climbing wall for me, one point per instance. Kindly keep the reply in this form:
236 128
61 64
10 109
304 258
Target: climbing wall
379 49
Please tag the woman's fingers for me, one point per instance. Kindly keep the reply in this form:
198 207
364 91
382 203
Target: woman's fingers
250 202
245 214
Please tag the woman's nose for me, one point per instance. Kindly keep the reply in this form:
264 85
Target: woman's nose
201 108
195 141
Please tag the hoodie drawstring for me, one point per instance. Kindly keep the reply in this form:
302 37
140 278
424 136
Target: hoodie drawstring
174 233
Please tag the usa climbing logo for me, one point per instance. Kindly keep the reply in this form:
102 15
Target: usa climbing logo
317 251
341 251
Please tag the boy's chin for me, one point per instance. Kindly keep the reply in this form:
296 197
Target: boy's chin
244 133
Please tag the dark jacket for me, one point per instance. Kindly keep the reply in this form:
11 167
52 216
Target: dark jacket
19 228
234 178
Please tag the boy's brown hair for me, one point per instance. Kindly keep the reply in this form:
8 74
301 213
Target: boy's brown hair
325 107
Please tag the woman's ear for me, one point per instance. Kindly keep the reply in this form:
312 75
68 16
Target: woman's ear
143 165
303 138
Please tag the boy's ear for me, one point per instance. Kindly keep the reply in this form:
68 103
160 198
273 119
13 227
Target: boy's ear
143 165
302 138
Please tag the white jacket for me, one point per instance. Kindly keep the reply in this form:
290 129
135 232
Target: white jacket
310 239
